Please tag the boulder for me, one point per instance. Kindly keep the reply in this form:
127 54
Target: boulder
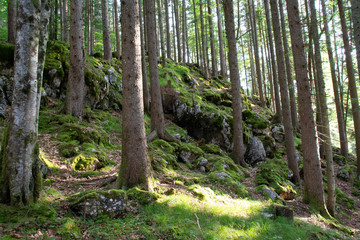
222 175
267 192
186 156
278 133
203 162
255 153
112 203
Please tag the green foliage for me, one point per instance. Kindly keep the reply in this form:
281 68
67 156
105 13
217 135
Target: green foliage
342 198
70 229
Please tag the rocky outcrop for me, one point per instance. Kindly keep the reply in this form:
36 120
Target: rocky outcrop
255 153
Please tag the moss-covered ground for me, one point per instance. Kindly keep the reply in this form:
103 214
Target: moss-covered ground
209 198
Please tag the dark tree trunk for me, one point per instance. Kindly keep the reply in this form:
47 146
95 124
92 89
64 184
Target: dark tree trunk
177 22
238 154
11 21
20 176
135 163
117 31
221 44
168 39
163 56
184 30
355 13
106 31
76 83
64 20
214 70
203 43
196 34
313 185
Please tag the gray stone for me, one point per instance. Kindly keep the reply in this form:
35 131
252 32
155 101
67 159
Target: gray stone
203 162
187 156
343 174
112 203
222 175
3 104
202 169
270 193
278 133
255 152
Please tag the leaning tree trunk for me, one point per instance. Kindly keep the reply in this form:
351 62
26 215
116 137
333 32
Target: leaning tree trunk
135 163
76 82
221 44
238 154
117 31
313 185
214 70
106 31
20 176
11 21
286 113
352 83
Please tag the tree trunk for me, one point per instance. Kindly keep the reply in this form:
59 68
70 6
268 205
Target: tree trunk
135 163
313 185
339 110
221 44
174 33
11 21
163 56
256 52
65 26
273 60
117 31
146 93
203 40
92 28
157 115
196 34
214 70
286 113
177 22
168 39
76 83
106 31
355 12
238 154
20 176
352 83
184 30
289 73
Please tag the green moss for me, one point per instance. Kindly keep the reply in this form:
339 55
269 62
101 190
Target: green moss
274 173
85 162
163 145
342 198
211 148
200 192
142 196
191 147
7 52
70 229
68 149
254 119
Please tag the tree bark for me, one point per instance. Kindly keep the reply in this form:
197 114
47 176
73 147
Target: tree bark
146 93
214 70
163 56
76 83
117 31
20 176
168 39
339 110
221 44
106 31
196 34
65 26
12 21
352 83
289 72
177 23
203 41
135 163
238 154
273 60
355 12
313 185
184 30
286 113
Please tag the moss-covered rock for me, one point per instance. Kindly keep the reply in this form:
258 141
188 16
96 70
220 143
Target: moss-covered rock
7 52
274 173
142 196
89 161
70 229
255 120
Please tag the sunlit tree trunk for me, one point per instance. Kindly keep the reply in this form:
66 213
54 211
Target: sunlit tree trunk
313 185
352 83
177 22
135 163
196 34
221 44
106 31
203 42
214 70
238 154
117 31
20 176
